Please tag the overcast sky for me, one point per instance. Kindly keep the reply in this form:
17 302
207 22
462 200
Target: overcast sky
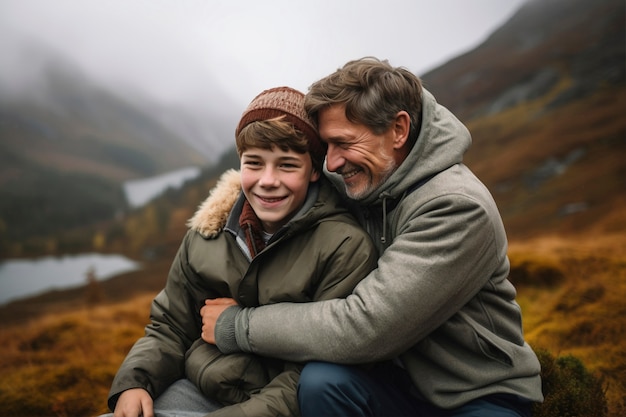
171 47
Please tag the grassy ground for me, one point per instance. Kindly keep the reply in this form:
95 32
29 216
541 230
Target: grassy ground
61 361
63 365
572 296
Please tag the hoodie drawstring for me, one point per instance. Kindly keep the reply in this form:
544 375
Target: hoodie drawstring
383 238
384 196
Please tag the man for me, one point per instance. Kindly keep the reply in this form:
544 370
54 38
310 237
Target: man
438 315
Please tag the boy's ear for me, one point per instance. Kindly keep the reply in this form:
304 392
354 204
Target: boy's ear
315 175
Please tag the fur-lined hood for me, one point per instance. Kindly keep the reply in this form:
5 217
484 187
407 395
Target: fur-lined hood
212 214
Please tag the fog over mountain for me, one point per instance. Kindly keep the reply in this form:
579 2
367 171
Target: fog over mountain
57 83
544 103
194 65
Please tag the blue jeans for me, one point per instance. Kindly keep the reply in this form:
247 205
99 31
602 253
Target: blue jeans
327 389
182 399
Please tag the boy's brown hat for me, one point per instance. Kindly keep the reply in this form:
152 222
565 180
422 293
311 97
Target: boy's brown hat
288 102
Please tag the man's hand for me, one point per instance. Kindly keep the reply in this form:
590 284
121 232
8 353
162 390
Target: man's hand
210 313
135 402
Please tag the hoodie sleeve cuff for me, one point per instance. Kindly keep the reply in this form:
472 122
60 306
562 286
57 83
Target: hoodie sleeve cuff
225 338
231 330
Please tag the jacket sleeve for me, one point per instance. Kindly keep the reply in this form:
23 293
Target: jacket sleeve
157 359
278 398
228 379
443 254
246 384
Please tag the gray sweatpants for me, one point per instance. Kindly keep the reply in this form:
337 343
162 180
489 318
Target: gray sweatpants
182 399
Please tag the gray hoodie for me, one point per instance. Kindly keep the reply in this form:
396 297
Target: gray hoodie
439 301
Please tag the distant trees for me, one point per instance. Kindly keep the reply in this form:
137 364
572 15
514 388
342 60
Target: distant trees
44 203
49 212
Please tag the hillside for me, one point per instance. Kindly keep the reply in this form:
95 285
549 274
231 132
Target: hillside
545 105
571 295
68 143
68 123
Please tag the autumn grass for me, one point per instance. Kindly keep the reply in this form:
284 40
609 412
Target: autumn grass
572 295
63 365
571 292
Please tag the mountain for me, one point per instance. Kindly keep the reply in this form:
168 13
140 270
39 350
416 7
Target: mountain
67 143
544 97
68 122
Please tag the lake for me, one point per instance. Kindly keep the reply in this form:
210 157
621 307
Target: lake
139 192
20 278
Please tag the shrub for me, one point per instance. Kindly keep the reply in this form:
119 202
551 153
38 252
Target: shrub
570 390
534 271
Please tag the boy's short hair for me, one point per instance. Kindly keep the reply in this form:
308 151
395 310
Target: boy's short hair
276 117
276 132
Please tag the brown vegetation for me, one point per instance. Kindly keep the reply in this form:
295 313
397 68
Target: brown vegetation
571 293
61 363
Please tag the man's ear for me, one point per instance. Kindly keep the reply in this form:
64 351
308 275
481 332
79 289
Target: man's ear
401 128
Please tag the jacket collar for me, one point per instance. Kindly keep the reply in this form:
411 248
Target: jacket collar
212 214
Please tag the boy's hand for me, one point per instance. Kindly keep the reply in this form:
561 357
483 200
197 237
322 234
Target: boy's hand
135 402
210 313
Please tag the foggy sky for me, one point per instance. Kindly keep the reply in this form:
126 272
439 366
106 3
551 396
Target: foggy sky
170 49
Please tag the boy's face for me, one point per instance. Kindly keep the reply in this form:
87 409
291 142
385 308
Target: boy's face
275 183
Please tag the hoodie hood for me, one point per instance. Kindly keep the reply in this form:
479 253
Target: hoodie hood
441 143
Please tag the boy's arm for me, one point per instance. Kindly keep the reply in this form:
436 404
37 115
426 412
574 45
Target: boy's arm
156 360
229 379
277 398
248 384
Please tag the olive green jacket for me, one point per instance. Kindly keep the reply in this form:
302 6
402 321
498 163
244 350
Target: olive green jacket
322 246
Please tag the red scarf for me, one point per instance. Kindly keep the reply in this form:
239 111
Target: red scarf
252 228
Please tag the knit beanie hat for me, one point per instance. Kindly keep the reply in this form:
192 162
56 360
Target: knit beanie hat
288 102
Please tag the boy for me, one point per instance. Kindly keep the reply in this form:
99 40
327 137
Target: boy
278 215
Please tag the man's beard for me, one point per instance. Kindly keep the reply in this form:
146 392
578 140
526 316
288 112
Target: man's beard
371 186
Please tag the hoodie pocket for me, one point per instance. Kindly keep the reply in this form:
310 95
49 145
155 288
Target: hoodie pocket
491 349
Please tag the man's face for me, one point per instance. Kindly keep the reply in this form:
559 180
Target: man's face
275 183
364 159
